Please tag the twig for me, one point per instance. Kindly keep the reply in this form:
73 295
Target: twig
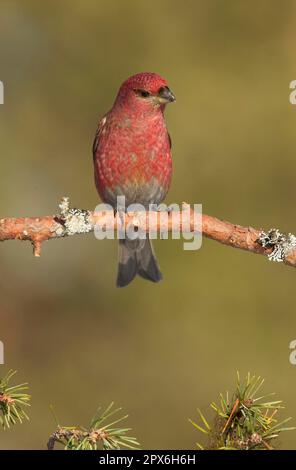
234 409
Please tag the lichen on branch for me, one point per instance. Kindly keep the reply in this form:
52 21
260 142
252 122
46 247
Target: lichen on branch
71 221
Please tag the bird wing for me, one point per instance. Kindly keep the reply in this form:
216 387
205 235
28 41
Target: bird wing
170 140
100 128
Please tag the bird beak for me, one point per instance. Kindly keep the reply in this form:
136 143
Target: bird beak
165 95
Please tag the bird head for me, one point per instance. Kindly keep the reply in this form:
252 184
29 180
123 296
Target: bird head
145 91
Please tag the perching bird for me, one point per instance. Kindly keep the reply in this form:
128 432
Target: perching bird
132 158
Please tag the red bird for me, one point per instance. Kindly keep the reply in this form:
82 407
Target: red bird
132 158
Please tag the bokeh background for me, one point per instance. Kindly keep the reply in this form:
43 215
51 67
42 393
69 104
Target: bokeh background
162 350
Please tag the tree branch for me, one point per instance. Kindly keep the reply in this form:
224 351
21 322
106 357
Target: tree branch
273 244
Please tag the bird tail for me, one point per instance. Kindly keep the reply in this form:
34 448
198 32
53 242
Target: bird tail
137 257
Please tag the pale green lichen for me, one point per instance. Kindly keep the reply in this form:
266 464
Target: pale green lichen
281 243
74 220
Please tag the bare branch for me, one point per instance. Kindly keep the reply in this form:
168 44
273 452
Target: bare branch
273 244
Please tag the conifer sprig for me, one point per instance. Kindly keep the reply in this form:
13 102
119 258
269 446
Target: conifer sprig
99 434
245 421
12 401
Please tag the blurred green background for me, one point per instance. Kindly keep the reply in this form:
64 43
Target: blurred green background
157 350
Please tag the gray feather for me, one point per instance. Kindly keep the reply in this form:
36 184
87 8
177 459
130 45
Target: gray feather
137 257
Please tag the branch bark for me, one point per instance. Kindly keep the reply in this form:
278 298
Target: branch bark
273 244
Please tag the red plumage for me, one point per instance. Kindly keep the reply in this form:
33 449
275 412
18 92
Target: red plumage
132 158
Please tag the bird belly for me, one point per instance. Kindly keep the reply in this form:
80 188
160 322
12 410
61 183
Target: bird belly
145 193
141 180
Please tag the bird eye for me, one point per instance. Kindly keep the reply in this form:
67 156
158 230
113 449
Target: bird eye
142 93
